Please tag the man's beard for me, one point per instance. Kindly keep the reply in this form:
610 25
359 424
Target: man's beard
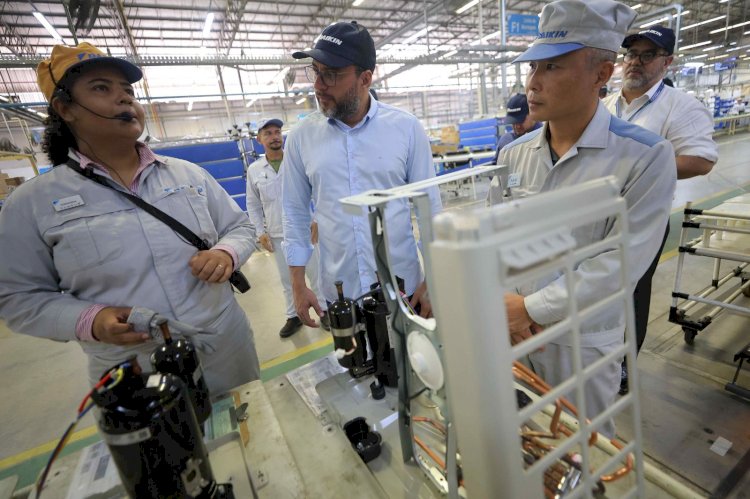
346 108
637 81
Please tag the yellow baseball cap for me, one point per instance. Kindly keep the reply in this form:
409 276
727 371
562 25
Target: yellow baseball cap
65 59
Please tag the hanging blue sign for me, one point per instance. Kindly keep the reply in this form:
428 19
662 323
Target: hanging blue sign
523 24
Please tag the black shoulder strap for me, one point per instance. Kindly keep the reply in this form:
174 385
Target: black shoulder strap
175 225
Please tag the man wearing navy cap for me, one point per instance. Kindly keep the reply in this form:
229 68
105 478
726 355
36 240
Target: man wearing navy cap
354 143
264 210
646 100
518 117
569 62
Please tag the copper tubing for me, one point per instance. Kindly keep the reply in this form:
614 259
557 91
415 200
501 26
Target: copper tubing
165 333
438 426
530 377
542 386
431 453
622 471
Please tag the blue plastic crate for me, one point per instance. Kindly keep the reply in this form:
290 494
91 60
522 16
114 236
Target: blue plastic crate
234 186
201 153
478 132
225 168
241 201
479 142
470 125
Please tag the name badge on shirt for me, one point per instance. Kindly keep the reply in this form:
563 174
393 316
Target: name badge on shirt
67 203
514 180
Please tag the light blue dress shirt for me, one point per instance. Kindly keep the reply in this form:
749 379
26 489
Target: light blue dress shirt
326 160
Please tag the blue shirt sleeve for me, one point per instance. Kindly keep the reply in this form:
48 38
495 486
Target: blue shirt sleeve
296 198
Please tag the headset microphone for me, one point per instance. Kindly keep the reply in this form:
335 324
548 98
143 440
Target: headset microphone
125 116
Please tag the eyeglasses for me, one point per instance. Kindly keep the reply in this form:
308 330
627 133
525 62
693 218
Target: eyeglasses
645 57
327 75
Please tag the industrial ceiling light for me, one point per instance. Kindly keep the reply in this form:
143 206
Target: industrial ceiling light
357 3
207 25
301 100
662 19
714 19
637 6
467 6
419 34
699 44
50 29
729 27
280 75
250 103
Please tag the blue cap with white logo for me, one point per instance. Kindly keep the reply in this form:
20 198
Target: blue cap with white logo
517 109
660 36
568 25
343 44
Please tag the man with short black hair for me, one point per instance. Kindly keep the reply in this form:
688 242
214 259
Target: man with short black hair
264 210
353 144
518 117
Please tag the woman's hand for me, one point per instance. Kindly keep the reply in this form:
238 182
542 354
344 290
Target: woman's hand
212 265
111 326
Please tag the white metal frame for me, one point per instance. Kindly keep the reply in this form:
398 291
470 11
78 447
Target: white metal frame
476 258
472 261
721 239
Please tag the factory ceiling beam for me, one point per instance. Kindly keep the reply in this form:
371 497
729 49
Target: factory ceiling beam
119 22
10 36
294 3
232 20
11 39
32 62
434 9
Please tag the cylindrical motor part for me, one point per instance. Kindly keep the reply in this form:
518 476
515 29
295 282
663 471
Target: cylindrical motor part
343 318
152 433
375 312
180 358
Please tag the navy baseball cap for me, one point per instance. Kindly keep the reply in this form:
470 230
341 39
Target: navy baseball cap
342 44
518 109
569 25
658 35
272 122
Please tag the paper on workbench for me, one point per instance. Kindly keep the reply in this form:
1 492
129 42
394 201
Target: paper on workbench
96 475
304 379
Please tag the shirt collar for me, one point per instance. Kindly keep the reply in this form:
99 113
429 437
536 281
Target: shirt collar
372 110
647 96
538 124
595 135
145 156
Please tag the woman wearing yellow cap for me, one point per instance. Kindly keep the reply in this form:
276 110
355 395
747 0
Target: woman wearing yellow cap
79 253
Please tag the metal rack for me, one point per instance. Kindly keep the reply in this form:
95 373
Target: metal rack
725 237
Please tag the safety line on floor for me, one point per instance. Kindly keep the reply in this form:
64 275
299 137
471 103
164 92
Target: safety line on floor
45 448
296 353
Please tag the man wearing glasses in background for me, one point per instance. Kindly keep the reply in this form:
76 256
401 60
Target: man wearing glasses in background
647 101
352 144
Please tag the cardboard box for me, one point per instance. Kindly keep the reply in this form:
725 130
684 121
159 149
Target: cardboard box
450 138
443 148
14 181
